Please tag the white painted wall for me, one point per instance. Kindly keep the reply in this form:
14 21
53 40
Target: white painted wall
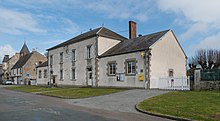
42 80
130 81
105 44
166 54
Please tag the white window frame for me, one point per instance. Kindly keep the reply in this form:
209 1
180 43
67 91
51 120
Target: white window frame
39 74
112 69
73 55
130 65
61 57
45 73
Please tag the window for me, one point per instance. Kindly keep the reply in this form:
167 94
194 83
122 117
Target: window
61 57
45 73
20 70
40 74
73 55
131 67
170 72
89 52
73 74
61 74
51 61
112 68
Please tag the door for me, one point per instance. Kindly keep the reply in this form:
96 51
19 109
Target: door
54 80
89 76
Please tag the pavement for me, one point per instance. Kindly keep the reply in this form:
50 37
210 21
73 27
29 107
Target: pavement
20 106
121 102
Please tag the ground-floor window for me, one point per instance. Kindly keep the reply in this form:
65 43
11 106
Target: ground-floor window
131 67
45 73
40 74
112 68
73 74
61 74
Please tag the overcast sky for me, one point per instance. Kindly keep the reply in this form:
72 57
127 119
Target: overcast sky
45 23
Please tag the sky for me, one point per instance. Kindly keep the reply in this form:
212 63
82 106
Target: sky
45 23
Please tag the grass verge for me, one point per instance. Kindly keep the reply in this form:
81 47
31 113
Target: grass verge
196 105
68 93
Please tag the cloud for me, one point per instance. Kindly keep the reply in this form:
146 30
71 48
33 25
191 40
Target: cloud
6 50
211 42
15 22
202 15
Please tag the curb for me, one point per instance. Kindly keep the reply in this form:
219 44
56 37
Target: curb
161 115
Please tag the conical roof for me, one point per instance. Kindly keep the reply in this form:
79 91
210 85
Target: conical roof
24 50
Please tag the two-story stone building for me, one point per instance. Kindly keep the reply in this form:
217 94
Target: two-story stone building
101 57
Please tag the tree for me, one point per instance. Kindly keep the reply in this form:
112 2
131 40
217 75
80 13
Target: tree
206 59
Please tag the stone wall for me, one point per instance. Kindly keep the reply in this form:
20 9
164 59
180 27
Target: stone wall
204 85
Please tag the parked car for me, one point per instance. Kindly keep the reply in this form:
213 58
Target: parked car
7 82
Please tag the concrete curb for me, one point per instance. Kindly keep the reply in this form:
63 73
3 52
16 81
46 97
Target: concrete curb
161 115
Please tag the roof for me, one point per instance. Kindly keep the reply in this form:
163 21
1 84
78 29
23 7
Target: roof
25 49
133 45
6 58
101 31
22 61
43 64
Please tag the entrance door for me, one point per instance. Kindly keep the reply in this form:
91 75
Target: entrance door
89 76
54 80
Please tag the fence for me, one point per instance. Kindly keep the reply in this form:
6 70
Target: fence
210 75
181 83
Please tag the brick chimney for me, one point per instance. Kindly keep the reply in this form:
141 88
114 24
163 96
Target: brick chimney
132 29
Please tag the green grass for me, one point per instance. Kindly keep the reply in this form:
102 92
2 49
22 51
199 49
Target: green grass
67 92
196 105
31 88
81 92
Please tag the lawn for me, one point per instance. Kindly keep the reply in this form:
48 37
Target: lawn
196 105
29 88
66 92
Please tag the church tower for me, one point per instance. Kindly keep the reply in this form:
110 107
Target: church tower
24 50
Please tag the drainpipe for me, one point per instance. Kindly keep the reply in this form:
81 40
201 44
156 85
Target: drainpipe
145 69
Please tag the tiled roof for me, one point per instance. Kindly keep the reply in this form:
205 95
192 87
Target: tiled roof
25 49
22 61
133 45
43 64
101 31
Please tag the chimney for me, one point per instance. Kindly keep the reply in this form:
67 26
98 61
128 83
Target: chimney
132 29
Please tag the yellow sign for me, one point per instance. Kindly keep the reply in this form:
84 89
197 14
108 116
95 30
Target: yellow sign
141 77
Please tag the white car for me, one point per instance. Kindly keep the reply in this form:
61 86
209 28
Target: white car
7 82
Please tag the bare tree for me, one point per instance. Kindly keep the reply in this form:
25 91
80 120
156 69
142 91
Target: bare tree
207 59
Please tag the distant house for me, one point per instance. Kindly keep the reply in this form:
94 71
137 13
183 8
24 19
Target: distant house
43 74
1 73
24 69
103 58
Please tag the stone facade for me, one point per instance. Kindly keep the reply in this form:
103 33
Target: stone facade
204 85
28 69
43 76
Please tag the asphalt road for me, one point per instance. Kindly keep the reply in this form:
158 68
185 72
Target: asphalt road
19 106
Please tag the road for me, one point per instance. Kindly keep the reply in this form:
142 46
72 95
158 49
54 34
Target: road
19 106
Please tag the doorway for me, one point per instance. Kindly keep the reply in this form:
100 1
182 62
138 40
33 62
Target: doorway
89 76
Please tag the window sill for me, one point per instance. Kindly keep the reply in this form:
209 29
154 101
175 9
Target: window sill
130 75
111 74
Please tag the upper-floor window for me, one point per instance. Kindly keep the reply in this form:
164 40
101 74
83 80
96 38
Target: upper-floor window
89 52
170 72
112 68
61 57
51 60
131 67
45 73
73 55
40 74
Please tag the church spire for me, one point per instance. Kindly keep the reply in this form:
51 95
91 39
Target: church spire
24 50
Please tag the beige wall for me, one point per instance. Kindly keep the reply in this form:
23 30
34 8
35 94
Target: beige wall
105 44
166 54
129 81
30 65
80 63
